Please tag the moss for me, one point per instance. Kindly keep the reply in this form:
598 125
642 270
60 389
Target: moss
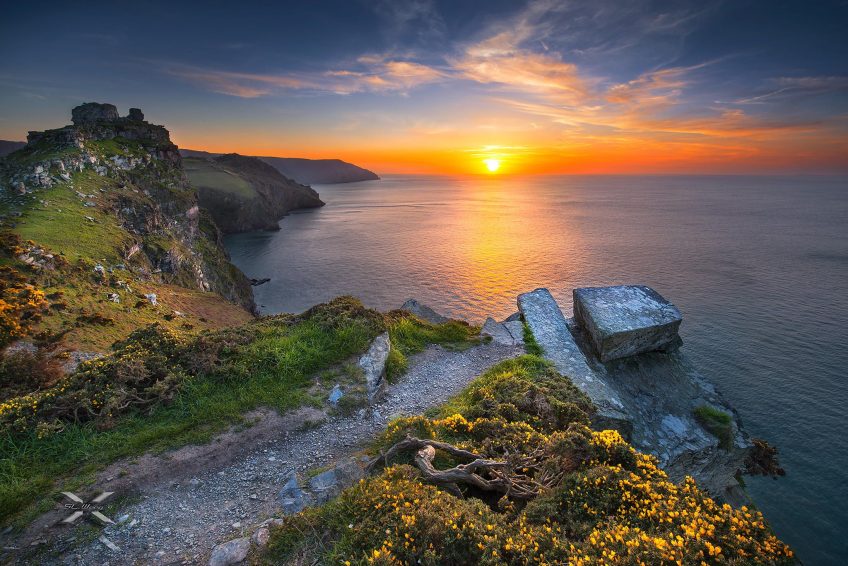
717 423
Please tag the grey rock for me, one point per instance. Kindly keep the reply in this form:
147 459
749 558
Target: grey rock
373 364
649 397
335 395
261 537
230 552
151 297
92 112
136 114
291 497
516 329
499 333
516 316
548 326
626 320
423 312
329 484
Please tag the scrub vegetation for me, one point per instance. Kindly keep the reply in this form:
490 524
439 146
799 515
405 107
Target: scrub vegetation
508 473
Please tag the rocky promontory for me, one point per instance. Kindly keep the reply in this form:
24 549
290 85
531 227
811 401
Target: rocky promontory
244 193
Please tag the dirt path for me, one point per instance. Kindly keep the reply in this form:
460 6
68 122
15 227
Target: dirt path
196 497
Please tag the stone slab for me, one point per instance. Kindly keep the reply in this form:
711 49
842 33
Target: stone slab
626 320
498 331
541 313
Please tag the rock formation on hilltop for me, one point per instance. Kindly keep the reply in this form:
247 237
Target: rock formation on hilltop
244 193
110 193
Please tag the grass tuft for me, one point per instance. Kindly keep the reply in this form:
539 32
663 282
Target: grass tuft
717 423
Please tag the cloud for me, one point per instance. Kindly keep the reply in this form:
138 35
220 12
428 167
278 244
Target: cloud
783 88
370 74
410 19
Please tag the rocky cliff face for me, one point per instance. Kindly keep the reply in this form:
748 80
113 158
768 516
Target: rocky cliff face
130 169
243 193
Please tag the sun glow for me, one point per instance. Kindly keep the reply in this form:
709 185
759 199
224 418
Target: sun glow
492 164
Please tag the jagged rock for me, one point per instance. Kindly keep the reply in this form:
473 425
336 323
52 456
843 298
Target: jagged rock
516 316
136 114
542 314
423 311
626 320
499 333
373 364
114 297
20 188
151 297
230 552
92 112
328 484
292 498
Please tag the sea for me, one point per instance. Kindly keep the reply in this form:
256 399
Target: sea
758 265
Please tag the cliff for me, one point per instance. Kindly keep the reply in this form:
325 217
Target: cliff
244 193
7 147
307 171
99 215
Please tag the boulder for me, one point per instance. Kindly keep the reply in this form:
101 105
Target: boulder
292 498
626 320
92 112
136 114
230 552
329 484
423 312
498 331
373 364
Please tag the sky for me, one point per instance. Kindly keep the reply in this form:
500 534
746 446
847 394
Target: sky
425 86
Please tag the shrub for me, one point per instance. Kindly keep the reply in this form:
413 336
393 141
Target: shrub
717 423
605 503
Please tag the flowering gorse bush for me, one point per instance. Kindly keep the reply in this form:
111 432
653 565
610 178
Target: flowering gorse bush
612 504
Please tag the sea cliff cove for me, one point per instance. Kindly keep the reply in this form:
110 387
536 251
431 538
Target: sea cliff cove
492 283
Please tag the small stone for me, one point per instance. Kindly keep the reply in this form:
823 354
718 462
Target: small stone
423 311
230 552
236 525
261 537
335 395
373 364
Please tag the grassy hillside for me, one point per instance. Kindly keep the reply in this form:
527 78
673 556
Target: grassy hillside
205 174
509 473
162 388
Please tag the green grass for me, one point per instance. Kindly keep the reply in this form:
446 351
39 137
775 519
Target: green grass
204 174
273 369
410 335
717 423
69 232
530 344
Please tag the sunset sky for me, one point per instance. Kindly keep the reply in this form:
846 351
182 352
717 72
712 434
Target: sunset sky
439 87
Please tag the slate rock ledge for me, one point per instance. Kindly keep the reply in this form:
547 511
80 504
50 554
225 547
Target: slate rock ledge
621 349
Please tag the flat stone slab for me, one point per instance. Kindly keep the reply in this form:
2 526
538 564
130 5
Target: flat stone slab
548 326
498 331
626 320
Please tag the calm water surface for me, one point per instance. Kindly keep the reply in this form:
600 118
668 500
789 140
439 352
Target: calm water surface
758 266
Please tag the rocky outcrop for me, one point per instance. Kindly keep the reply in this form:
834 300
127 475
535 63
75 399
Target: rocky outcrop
244 193
650 396
173 240
423 312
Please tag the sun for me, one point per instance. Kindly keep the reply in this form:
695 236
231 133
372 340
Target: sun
492 164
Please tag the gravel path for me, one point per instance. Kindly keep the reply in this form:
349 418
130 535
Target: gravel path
179 520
